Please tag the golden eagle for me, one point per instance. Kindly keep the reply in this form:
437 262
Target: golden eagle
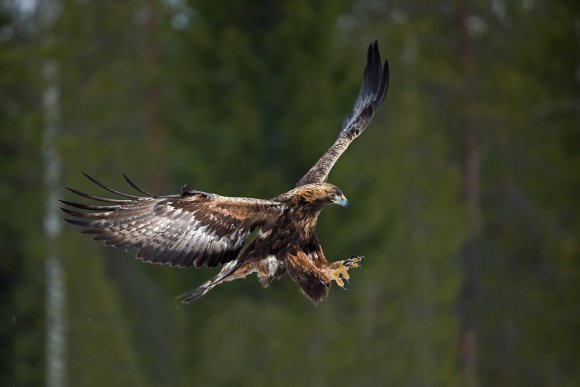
197 228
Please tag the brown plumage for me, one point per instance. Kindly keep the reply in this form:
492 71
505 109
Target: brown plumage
245 235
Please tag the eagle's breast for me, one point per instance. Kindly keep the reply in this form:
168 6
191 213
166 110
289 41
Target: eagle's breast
303 220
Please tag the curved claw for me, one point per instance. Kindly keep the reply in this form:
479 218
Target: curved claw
346 281
354 261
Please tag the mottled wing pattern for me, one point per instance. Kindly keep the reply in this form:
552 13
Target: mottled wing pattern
372 93
194 228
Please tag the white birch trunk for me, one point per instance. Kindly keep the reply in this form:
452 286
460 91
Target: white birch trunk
55 296
48 11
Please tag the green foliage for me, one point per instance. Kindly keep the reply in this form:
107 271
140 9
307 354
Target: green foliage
99 348
531 193
21 259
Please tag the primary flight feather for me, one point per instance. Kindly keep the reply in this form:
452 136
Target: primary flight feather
196 228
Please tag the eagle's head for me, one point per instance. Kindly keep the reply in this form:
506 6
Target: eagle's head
316 194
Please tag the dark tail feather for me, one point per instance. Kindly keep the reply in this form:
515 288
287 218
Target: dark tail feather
189 297
224 275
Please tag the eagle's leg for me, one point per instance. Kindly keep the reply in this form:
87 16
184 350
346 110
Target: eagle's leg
339 270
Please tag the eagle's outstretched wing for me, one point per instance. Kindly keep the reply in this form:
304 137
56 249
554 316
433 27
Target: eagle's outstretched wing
194 228
372 93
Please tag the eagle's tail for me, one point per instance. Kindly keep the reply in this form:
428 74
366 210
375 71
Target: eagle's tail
193 295
228 273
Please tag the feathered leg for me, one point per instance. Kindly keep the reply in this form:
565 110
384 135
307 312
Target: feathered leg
313 282
333 271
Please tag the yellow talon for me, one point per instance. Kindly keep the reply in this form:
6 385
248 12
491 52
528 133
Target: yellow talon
340 273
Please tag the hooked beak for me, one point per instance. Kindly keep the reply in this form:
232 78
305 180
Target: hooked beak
340 200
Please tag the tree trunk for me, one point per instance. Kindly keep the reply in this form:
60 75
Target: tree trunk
470 185
55 295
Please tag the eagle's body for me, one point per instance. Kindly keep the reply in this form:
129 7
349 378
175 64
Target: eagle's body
246 235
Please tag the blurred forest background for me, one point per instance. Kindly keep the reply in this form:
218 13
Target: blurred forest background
464 190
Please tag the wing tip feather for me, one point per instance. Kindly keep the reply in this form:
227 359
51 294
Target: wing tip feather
137 188
373 90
